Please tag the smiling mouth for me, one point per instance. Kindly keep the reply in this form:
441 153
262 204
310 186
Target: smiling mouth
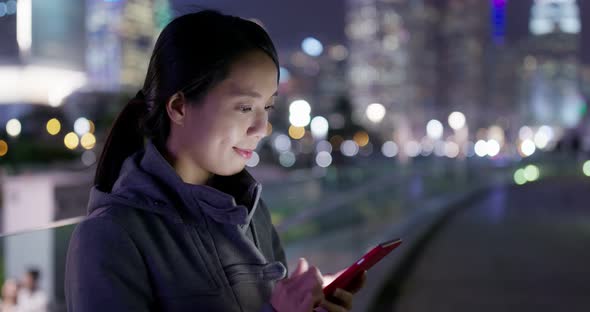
247 154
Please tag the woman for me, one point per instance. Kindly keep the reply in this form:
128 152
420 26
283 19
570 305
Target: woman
9 296
176 223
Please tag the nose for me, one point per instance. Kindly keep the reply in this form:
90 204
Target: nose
258 126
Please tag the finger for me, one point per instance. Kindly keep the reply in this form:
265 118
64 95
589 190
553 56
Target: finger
315 274
309 281
302 267
314 277
332 307
358 283
307 284
315 280
329 278
311 300
343 298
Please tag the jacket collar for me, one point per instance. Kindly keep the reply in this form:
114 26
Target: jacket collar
147 181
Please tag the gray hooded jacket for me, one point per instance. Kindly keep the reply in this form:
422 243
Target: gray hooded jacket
156 243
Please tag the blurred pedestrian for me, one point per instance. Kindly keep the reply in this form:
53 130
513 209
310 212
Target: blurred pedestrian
31 298
175 221
9 296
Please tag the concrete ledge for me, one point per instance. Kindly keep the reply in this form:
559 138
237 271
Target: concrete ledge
415 231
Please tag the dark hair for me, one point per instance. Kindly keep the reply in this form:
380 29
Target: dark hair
35 273
193 53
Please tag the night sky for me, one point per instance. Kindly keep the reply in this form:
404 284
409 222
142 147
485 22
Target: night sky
289 22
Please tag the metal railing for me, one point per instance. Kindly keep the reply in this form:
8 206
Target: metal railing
330 218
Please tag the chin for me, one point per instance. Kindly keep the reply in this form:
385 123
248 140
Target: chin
226 172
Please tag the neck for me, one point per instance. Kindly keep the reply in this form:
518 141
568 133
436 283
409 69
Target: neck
185 168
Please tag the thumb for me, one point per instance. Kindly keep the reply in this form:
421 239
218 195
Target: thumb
329 278
302 267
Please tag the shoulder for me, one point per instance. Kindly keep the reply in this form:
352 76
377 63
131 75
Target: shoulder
101 230
105 265
111 227
125 218
102 242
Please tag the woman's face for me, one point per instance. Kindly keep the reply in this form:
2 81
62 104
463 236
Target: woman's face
9 289
219 134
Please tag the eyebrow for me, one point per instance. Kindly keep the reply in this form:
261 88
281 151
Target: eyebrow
254 94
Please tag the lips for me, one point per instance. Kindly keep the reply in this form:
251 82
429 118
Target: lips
246 153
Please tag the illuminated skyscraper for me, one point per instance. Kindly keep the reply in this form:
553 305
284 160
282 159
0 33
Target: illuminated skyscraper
393 61
550 87
49 49
420 59
550 16
464 39
120 38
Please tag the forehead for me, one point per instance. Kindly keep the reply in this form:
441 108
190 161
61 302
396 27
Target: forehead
253 73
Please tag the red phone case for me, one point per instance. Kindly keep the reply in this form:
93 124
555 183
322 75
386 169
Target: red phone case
363 264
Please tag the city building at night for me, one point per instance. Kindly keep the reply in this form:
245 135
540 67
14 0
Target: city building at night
421 60
393 63
120 36
465 35
42 58
550 88
57 47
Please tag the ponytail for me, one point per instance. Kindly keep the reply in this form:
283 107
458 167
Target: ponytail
124 139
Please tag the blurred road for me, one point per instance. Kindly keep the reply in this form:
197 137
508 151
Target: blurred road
521 248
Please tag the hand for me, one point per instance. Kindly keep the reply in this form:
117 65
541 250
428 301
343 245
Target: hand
341 300
300 292
355 285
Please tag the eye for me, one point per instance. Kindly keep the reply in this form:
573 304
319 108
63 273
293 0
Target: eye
245 108
271 105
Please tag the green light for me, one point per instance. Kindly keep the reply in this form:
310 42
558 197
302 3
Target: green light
531 173
583 109
519 177
163 13
586 168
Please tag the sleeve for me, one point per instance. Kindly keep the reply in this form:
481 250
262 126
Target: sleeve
104 270
277 246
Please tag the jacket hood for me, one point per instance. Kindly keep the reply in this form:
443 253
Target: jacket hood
148 182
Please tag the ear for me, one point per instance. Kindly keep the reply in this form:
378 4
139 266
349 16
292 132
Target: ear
176 108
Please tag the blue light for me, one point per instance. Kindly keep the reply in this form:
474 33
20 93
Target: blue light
284 75
2 9
311 46
10 7
498 20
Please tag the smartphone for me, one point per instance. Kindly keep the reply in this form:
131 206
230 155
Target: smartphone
362 264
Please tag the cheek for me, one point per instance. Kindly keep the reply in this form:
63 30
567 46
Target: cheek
230 134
